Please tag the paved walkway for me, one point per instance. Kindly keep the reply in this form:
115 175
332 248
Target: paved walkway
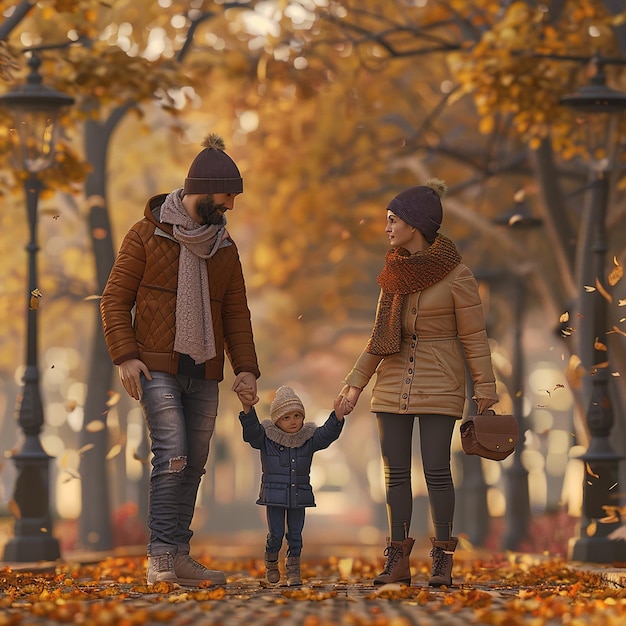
505 590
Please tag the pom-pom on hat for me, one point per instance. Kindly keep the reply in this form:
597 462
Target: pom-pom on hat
213 171
285 402
420 207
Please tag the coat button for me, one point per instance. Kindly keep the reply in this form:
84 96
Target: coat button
410 371
404 397
404 406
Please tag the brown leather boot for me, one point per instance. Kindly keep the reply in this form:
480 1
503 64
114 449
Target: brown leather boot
397 568
292 565
442 561
272 574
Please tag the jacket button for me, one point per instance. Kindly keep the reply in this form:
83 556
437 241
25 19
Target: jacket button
410 371
408 381
404 397
411 359
404 406
293 460
414 311
293 484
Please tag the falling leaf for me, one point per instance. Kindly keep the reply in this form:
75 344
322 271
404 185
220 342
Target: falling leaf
94 297
605 294
113 452
621 302
564 317
616 273
590 471
617 330
575 371
95 426
85 448
589 289
114 398
35 295
559 386
590 531
598 345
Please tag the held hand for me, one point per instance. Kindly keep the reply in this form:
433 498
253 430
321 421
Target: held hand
342 407
351 394
247 399
482 404
130 374
245 381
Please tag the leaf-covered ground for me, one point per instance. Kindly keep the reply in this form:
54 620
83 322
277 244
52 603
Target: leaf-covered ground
500 591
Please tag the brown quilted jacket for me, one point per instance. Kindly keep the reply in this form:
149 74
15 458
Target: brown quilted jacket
138 305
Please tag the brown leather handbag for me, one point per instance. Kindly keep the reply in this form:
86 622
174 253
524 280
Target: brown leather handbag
489 436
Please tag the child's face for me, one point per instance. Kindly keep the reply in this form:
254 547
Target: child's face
291 422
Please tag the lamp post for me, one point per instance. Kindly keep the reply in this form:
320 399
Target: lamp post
35 109
517 514
600 107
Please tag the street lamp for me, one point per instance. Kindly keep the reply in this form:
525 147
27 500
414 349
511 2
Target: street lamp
517 514
35 109
600 108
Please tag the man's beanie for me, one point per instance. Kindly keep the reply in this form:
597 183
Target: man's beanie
285 402
213 171
420 207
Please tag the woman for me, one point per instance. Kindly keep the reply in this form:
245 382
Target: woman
429 317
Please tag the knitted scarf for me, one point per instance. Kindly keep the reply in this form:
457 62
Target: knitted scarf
406 273
289 440
198 242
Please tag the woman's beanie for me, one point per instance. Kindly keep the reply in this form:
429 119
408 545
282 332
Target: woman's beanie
285 402
213 171
420 207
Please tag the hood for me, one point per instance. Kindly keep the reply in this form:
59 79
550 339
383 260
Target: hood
152 212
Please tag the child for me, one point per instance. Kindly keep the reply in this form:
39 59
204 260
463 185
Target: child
287 445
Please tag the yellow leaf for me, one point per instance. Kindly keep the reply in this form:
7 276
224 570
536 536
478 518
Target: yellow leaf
616 273
113 452
598 345
95 426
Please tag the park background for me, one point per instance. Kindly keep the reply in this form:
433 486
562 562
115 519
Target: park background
329 110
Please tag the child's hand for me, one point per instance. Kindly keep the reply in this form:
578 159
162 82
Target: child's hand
248 399
342 407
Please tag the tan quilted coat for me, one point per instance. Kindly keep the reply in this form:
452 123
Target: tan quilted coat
440 325
147 333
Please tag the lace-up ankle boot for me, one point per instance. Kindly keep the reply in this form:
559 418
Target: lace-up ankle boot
292 565
272 575
441 554
397 568
161 569
191 573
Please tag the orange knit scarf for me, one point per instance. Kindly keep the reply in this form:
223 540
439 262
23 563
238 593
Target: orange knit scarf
406 273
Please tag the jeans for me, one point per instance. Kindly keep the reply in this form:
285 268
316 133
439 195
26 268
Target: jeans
180 412
276 524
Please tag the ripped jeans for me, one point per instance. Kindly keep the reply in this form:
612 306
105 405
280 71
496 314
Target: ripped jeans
180 412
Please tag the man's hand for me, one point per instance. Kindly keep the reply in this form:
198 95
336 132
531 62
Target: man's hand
245 382
130 374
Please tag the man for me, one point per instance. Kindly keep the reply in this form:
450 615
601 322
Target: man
174 302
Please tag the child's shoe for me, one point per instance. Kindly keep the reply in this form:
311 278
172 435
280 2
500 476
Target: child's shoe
293 571
272 575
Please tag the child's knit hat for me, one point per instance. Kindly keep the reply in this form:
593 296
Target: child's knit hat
285 402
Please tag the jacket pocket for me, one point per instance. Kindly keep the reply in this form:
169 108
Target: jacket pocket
305 496
274 494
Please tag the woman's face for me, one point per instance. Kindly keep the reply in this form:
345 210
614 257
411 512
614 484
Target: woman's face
400 233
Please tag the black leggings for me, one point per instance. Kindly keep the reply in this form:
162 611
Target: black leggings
396 435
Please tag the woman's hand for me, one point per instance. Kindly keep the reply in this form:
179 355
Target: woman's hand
482 404
351 395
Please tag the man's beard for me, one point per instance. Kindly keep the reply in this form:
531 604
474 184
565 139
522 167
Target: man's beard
210 213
